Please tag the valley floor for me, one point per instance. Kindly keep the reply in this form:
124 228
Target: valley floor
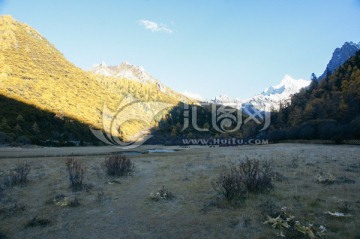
122 208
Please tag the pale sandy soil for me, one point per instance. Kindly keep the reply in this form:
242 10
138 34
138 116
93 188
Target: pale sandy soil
126 211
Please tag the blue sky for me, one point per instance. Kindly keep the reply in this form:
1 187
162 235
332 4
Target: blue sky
233 47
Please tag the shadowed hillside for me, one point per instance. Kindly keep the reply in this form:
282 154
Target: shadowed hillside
23 124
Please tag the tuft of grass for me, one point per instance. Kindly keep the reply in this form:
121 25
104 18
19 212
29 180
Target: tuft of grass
118 165
63 201
246 221
268 207
57 198
76 170
162 193
295 161
344 207
74 203
326 179
38 222
100 197
12 209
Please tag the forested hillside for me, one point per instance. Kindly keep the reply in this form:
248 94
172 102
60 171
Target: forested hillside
34 72
329 109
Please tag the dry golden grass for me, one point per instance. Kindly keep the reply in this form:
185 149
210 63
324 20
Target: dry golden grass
122 208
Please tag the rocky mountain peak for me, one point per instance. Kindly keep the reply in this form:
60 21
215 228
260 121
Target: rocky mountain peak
339 57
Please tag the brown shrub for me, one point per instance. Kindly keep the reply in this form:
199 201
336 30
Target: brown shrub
247 176
118 165
76 170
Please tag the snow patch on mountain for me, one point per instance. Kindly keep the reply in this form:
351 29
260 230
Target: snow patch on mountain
193 95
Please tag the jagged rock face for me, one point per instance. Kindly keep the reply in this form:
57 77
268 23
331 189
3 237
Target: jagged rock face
339 57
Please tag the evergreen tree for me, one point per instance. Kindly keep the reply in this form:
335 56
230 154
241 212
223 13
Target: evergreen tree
18 129
35 128
313 77
20 119
4 125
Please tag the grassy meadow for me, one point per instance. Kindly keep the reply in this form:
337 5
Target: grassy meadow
309 180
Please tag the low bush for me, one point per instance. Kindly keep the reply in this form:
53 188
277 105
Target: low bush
247 176
118 165
18 175
76 170
231 186
257 177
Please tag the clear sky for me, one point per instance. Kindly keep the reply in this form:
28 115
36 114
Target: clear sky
233 47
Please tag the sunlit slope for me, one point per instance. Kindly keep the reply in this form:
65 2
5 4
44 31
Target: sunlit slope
33 71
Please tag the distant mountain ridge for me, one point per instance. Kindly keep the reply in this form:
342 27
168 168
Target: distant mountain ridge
127 71
270 98
339 57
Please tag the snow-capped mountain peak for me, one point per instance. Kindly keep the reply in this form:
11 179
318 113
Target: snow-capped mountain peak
288 80
270 98
287 86
222 98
